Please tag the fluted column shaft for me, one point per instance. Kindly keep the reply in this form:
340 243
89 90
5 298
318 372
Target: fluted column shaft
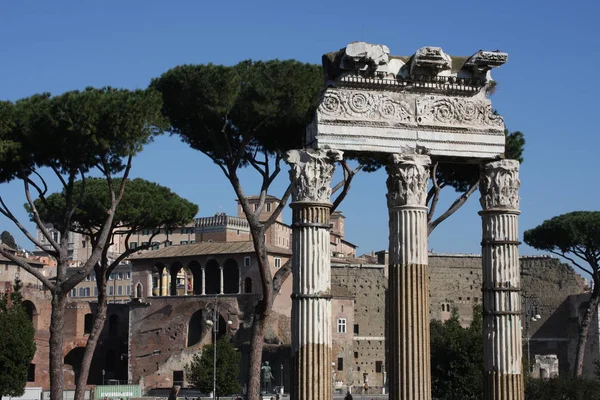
310 174
502 347
409 373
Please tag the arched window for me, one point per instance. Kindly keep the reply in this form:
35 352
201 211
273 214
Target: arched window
248 286
138 291
31 312
88 322
195 328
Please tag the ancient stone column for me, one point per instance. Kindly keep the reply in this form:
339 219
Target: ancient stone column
203 270
499 186
409 375
164 282
310 174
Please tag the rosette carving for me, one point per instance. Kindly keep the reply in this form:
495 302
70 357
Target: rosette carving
311 172
436 110
367 105
499 185
407 180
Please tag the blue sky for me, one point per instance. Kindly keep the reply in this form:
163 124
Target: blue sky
548 89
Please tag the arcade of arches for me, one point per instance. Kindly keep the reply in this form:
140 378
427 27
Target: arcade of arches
197 279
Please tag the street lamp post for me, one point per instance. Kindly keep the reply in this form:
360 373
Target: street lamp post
213 320
531 313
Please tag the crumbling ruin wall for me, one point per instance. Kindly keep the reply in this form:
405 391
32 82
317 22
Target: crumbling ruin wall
159 335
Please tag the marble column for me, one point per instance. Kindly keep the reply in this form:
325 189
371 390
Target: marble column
311 173
203 270
221 280
409 374
164 282
502 351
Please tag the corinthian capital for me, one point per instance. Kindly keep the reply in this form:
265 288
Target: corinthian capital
407 180
499 185
311 172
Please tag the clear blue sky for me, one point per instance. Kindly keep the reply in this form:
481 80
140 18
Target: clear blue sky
548 89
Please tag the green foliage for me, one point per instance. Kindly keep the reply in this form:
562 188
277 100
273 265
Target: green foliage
199 373
77 130
17 344
574 235
563 389
145 205
568 233
229 113
8 239
457 358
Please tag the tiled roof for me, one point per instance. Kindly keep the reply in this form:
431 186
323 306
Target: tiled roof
31 262
206 248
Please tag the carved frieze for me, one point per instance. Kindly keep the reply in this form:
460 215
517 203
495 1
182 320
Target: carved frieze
431 111
456 111
407 180
499 185
311 172
364 105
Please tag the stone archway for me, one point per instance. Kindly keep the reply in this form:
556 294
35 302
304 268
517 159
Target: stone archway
31 311
231 277
213 277
176 284
198 277
160 280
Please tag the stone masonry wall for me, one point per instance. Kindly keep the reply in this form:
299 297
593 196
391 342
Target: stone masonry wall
455 282
367 283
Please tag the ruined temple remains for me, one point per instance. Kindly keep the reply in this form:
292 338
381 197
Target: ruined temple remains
410 112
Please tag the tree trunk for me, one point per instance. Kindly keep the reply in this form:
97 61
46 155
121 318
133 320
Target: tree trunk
256 347
585 327
59 302
90 347
261 314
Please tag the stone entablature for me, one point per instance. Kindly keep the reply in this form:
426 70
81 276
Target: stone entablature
429 102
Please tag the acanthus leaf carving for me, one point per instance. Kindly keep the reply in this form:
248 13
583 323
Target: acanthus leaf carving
311 172
408 175
499 185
